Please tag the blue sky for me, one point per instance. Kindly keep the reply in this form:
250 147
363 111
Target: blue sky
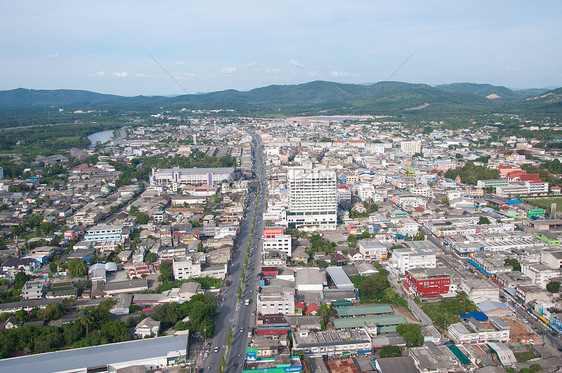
104 46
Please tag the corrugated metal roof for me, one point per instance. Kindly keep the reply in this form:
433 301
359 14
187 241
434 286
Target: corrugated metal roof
80 358
458 353
371 309
357 322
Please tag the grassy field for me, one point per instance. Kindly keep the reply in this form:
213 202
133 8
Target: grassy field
545 203
524 356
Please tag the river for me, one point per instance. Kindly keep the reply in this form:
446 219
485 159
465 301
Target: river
102 137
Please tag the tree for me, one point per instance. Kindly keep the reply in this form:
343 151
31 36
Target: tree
390 351
553 287
352 240
77 267
151 257
53 311
513 263
20 279
483 220
372 286
166 273
86 318
53 267
411 333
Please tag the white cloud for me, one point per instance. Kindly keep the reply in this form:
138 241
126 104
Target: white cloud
179 63
122 74
184 75
271 70
296 64
341 74
228 70
513 68
312 73
53 56
141 75
98 73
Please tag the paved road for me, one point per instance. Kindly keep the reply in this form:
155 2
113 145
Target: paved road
235 315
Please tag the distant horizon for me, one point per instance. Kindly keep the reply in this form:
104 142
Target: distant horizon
144 48
248 90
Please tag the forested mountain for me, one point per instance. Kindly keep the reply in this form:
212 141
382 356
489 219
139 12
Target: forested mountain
316 97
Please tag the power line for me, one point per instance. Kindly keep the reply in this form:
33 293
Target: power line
399 67
166 71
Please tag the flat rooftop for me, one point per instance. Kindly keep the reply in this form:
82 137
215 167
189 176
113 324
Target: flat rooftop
81 358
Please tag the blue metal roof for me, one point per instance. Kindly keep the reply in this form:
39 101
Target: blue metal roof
478 316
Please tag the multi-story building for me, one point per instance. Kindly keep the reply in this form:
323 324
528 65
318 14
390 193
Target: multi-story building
197 176
344 195
332 342
107 237
185 268
492 183
473 331
373 250
275 239
33 289
427 282
274 300
411 147
539 273
537 187
406 259
312 199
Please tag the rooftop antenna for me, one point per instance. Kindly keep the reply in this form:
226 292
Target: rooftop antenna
166 71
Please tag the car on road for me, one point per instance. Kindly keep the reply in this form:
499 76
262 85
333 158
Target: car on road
216 349
206 354
253 313
241 330
235 365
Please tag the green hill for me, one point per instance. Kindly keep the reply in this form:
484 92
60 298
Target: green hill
317 97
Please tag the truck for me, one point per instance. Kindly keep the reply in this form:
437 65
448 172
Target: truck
247 302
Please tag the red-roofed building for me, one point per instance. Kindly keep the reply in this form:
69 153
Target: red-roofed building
300 305
312 309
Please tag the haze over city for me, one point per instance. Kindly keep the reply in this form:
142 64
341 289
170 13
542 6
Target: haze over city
106 47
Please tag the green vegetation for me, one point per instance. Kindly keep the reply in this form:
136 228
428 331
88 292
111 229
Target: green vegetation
545 203
544 174
370 207
412 334
513 263
142 217
376 288
553 287
324 312
532 369
94 327
470 173
483 220
166 272
320 244
140 168
201 309
447 311
524 356
390 351
77 268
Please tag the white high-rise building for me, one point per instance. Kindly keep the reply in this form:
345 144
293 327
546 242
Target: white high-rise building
312 199
410 147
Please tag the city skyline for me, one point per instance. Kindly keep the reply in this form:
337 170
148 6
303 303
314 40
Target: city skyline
140 48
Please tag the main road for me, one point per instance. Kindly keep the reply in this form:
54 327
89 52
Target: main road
234 315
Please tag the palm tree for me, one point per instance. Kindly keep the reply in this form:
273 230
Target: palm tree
86 319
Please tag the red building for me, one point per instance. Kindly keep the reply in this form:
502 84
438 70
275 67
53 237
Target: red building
427 282
269 271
